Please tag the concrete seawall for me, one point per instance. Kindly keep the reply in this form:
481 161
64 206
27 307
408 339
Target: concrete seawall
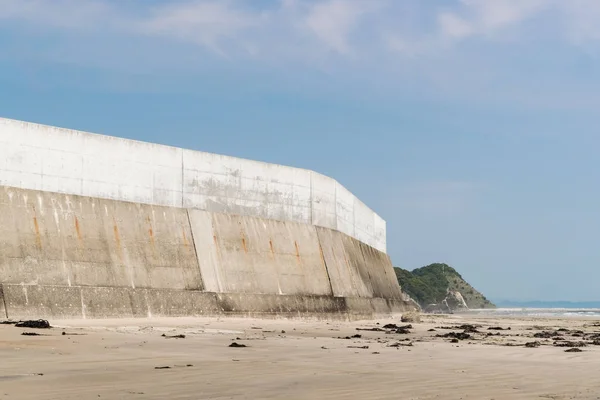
68 256
40 157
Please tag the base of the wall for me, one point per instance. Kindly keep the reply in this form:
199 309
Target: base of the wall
76 302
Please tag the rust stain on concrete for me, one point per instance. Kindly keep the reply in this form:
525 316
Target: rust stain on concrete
38 238
185 240
78 229
151 234
150 230
117 240
116 233
272 248
297 253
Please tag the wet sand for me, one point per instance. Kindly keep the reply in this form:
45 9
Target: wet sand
290 359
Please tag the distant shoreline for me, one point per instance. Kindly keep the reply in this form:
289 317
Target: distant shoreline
548 304
535 312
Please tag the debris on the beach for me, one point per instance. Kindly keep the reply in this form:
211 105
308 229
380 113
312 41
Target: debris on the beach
357 336
234 344
547 335
34 324
456 335
573 350
533 344
173 336
370 329
498 328
454 340
394 326
568 343
358 347
164 367
8 322
492 334
30 334
431 330
411 316
468 328
399 344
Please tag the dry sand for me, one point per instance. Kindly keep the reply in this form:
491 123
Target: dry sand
117 359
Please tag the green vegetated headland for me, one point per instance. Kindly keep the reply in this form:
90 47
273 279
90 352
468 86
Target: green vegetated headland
439 287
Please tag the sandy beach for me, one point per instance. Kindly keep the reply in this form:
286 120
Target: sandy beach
292 359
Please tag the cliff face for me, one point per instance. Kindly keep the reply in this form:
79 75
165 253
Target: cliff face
440 288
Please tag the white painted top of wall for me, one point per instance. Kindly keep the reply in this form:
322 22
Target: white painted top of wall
41 157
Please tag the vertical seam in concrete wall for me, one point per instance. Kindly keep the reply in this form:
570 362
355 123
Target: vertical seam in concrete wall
187 213
324 261
4 300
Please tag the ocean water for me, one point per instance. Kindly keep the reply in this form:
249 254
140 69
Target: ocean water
591 313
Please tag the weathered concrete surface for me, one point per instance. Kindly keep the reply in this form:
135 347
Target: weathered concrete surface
205 241
357 270
232 185
55 239
268 257
74 302
102 302
65 256
36 301
3 312
374 267
40 157
344 276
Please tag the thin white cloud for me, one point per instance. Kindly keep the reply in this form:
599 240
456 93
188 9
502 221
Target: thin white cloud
454 26
382 44
78 15
334 21
339 26
493 15
201 22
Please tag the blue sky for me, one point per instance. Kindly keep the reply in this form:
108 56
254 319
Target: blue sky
471 126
